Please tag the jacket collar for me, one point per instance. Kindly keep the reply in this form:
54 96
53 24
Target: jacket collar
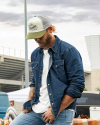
55 45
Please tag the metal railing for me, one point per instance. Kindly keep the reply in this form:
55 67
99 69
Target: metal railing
13 52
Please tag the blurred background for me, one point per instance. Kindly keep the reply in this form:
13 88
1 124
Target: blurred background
76 21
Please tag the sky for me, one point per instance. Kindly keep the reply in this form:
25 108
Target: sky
74 19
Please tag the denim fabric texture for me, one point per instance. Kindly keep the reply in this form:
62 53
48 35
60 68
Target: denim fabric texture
65 76
64 118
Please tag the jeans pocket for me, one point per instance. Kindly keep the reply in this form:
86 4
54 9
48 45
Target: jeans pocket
62 114
70 115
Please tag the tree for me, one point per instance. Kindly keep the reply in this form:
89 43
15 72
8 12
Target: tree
85 89
98 89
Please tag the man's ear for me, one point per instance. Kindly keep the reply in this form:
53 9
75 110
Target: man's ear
50 29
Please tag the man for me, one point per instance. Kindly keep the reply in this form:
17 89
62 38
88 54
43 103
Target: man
58 78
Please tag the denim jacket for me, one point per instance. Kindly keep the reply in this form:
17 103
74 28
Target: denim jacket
65 76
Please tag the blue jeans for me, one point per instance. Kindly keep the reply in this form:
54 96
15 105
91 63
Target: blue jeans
64 118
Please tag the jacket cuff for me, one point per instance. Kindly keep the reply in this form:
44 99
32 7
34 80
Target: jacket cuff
27 105
32 85
73 93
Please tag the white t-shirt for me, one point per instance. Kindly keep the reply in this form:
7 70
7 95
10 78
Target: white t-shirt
44 101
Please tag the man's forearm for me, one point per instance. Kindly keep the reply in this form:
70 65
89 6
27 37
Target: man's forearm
66 101
31 93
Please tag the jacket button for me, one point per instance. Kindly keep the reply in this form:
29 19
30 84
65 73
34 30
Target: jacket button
50 93
52 103
48 84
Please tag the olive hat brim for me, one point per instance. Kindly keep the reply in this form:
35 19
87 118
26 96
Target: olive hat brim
35 35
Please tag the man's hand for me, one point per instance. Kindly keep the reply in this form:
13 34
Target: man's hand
26 110
48 116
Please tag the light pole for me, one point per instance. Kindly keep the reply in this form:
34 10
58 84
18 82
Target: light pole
26 47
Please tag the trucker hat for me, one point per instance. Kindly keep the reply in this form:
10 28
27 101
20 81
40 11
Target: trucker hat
37 26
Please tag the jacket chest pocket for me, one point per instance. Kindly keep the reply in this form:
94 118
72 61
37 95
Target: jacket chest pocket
59 67
34 67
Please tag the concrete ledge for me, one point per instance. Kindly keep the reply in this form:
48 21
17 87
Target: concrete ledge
1 59
11 82
13 57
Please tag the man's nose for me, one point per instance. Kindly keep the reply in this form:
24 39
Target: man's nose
37 39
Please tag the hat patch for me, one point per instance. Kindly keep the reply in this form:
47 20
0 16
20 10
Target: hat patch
33 27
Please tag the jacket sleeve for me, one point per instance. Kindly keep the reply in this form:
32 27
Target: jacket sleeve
33 81
75 72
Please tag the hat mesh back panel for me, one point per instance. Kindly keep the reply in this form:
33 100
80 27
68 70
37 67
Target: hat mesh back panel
45 22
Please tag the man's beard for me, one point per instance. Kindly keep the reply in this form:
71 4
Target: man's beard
45 42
